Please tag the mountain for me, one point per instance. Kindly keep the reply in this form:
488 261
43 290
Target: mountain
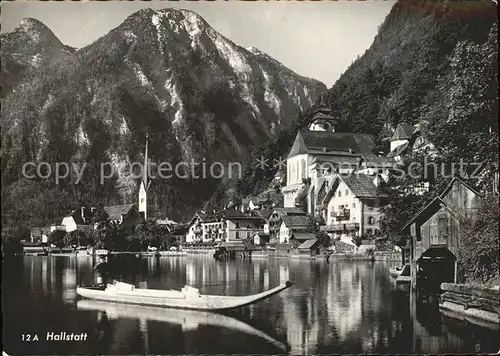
164 73
29 46
430 60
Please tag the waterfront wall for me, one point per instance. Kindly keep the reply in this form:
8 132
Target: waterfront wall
394 257
475 304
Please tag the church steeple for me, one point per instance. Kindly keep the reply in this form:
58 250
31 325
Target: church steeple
143 189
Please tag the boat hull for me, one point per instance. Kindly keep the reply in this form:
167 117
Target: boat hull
175 299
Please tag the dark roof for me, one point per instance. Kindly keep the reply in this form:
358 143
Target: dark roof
322 116
461 181
428 210
290 211
361 185
328 161
308 244
403 132
264 213
180 229
260 200
262 234
296 221
376 161
304 236
323 109
323 141
116 211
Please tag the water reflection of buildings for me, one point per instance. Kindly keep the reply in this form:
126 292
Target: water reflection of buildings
344 307
42 273
69 283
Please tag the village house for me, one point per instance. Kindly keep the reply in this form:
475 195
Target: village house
240 226
310 248
275 219
291 226
205 227
225 225
318 151
77 218
435 233
265 214
351 206
127 215
408 139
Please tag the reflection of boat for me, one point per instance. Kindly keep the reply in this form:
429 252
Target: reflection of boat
400 271
187 298
189 319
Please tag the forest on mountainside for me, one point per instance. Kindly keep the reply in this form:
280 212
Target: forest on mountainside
167 74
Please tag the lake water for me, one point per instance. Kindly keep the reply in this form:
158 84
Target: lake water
340 307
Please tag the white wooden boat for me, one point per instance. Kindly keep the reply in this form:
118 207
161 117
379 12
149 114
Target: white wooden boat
190 320
187 298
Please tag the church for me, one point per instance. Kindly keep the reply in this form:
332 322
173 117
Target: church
320 151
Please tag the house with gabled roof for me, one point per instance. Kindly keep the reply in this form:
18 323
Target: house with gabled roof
291 225
77 217
127 215
275 219
435 234
310 247
351 206
402 135
409 138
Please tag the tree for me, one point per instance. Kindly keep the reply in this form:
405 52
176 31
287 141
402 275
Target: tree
479 259
314 223
110 236
357 240
149 234
324 239
56 237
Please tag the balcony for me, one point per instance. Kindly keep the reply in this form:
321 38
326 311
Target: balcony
341 215
340 227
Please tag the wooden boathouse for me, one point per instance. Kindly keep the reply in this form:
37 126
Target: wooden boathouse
435 236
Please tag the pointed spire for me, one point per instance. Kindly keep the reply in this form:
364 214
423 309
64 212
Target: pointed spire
145 167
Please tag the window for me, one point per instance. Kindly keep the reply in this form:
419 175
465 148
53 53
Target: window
340 193
353 205
371 220
346 192
369 231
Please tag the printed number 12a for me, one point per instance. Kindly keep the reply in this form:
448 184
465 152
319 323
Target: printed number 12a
29 337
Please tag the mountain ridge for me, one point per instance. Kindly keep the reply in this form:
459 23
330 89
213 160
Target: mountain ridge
167 73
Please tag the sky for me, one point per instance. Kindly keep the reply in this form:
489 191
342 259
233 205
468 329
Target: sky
317 39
